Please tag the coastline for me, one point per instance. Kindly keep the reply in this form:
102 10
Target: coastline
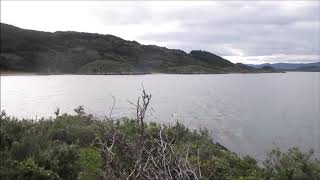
11 73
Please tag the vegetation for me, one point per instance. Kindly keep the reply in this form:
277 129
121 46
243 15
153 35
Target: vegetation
83 147
67 147
86 53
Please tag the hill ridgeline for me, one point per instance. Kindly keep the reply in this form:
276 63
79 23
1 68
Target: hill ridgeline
87 53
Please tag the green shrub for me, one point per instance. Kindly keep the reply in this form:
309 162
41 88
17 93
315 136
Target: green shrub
293 164
28 169
63 148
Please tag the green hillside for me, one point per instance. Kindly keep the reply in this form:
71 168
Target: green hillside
87 53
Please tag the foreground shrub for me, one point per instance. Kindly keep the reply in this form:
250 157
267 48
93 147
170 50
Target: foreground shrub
67 147
293 164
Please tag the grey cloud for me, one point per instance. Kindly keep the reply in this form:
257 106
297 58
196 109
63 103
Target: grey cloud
228 28
254 40
255 28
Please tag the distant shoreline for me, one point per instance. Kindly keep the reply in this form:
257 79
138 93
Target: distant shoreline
191 73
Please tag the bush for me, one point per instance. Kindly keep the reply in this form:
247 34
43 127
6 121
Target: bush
293 164
28 169
67 147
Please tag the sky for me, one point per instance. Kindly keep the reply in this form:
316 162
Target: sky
252 32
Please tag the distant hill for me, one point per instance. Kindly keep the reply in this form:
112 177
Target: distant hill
88 53
291 66
308 69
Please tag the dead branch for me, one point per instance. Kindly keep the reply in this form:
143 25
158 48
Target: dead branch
162 162
153 156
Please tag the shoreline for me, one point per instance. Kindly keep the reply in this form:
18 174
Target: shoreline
187 73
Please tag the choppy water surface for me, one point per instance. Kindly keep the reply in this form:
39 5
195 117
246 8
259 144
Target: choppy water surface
248 113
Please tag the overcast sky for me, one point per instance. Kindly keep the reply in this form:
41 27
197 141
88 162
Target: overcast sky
247 32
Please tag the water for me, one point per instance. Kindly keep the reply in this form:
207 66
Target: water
248 113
